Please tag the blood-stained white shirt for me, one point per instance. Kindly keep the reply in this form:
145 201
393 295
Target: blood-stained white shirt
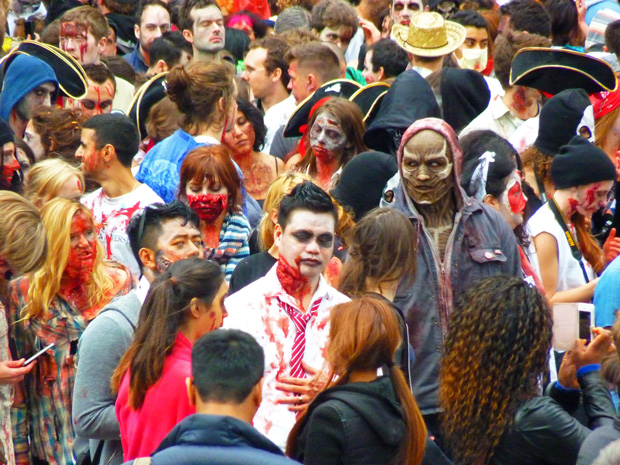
256 310
112 215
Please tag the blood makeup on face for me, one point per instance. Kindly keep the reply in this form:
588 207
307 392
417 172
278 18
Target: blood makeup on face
290 277
516 198
83 248
99 99
326 138
9 168
208 207
78 33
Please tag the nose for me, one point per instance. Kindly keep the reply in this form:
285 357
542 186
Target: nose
47 100
83 242
69 45
289 86
313 247
78 153
245 76
194 251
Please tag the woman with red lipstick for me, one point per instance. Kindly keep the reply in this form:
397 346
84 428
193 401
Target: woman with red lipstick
245 141
491 174
54 305
210 185
569 257
335 135
184 303
11 178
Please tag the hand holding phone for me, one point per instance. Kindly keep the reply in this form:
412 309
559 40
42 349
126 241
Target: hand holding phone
38 354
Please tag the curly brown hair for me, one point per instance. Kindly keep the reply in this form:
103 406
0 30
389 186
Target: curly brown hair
495 351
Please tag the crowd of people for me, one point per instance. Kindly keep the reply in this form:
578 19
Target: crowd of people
309 231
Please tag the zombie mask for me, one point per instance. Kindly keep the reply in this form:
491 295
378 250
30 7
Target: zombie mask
427 167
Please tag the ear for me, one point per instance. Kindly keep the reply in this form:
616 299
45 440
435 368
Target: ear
221 104
102 45
490 200
276 75
605 49
147 257
277 235
273 216
188 35
381 73
191 391
109 153
194 308
52 144
257 393
161 67
136 31
312 83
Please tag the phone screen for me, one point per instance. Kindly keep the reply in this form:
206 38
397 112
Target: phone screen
584 326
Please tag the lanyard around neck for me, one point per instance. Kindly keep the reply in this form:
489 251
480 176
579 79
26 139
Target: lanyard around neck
577 255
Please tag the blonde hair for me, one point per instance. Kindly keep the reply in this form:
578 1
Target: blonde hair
283 185
23 243
57 216
46 178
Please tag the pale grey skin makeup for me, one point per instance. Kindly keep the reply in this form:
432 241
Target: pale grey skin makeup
327 138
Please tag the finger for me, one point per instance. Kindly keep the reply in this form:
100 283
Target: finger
310 369
298 408
292 388
15 363
612 234
295 381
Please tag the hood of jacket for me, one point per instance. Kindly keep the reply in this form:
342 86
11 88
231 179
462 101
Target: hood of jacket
123 25
216 430
443 128
375 402
408 99
24 74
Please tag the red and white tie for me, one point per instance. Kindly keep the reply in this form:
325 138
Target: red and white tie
299 346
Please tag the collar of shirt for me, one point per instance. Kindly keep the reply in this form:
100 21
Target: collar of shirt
273 289
142 289
499 108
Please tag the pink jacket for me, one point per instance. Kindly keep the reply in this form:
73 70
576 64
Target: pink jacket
166 404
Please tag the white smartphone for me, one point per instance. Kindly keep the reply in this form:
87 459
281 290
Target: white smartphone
38 354
571 321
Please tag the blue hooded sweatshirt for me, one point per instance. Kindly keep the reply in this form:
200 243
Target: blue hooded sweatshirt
24 74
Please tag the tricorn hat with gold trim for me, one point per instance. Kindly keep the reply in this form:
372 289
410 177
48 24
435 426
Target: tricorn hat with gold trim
552 70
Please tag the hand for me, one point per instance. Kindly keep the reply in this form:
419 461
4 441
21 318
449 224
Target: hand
12 372
581 9
602 345
567 374
302 390
371 33
611 248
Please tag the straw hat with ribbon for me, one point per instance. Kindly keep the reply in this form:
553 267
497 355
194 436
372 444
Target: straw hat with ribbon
429 35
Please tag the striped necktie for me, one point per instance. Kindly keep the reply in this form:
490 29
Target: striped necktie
299 346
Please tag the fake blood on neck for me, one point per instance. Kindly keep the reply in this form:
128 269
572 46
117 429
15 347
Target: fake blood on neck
291 279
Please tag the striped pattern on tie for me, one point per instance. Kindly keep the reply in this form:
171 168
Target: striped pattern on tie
299 346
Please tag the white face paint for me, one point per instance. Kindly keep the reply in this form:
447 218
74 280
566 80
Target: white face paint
327 138
585 128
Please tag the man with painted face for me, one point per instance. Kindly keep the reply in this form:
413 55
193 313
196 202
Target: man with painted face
202 24
11 173
28 83
401 11
460 242
160 235
107 147
289 306
83 35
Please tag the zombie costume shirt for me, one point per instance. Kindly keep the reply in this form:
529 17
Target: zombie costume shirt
112 217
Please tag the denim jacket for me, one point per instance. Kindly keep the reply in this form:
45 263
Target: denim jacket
480 245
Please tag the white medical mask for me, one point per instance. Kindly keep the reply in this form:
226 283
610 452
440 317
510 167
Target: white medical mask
474 58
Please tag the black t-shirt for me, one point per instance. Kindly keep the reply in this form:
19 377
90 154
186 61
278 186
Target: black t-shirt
250 269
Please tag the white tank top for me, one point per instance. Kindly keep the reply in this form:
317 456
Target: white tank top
570 274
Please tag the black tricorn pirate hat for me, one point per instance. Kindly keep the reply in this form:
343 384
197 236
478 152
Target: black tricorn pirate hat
368 98
336 88
69 73
151 92
552 70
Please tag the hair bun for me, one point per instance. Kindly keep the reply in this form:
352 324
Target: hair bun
178 81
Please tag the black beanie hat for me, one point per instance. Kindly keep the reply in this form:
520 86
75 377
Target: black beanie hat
580 163
362 181
559 119
6 133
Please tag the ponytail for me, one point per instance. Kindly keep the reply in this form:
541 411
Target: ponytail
165 309
588 245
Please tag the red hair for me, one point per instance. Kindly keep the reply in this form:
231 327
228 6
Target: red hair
214 164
